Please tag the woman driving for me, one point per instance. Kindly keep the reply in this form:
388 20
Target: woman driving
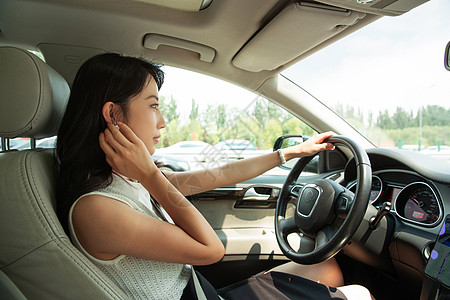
132 220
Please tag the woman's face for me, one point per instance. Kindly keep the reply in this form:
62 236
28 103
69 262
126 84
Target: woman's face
144 116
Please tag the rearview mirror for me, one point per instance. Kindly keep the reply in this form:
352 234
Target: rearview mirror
292 140
447 57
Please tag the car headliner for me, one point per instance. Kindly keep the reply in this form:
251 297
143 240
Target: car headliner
120 25
232 32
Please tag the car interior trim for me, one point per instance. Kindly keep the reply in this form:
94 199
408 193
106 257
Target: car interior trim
382 7
297 29
32 79
153 41
438 201
191 5
290 66
66 59
319 193
421 164
352 184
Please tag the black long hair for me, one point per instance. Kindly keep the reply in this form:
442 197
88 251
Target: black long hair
82 163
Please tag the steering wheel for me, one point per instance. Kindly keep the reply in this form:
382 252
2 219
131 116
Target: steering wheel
326 214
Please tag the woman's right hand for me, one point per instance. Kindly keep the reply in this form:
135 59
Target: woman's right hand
126 153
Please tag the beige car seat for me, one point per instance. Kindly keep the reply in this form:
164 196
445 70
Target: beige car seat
37 259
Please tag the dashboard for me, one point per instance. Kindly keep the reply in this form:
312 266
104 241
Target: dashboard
413 198
416 186
418 190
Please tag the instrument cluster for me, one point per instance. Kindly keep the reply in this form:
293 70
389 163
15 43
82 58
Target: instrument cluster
416 202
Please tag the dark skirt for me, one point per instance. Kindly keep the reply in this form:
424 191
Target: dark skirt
265 285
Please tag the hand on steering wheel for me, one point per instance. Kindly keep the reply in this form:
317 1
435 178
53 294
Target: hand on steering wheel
325 213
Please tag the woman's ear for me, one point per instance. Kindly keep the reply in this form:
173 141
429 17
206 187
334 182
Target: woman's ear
108 112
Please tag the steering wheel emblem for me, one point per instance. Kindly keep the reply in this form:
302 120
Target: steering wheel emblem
307 199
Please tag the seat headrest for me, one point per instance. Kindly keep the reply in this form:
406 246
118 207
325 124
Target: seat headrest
33 95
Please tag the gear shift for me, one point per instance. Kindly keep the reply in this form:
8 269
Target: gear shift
383 210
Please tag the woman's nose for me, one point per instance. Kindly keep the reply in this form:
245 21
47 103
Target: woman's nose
161 122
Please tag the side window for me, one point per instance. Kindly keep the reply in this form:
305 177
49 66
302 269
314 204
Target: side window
17 144
25 143
231 122
49 142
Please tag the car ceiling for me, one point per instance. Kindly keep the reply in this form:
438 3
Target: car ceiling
236 37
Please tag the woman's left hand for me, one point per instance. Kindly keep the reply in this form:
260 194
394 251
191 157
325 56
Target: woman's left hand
311 146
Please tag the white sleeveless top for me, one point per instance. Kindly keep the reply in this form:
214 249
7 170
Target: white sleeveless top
138 278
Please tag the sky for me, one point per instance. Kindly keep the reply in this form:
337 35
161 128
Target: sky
395 61
205 91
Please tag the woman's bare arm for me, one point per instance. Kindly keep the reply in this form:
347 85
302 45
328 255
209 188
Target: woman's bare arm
194 182
107 228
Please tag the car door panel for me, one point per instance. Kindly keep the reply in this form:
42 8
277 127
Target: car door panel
243 218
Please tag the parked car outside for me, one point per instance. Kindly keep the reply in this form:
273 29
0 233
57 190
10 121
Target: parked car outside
171 163
441 152
195 153
234 149
236 144
185 148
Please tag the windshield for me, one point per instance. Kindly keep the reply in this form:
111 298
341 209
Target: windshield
388 80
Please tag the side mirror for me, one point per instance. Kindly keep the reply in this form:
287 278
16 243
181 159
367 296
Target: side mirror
292 140
288 140
447 57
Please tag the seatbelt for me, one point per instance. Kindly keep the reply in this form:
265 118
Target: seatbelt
198 288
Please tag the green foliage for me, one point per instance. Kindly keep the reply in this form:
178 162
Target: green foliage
272 132
171 135
261 122
431 115
221 116
194 111
169 109
428 126
260 112
430 135
434 115
295 126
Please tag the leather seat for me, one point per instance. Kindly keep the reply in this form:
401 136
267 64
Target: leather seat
37 258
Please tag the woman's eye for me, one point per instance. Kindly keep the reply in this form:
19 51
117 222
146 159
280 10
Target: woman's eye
155 106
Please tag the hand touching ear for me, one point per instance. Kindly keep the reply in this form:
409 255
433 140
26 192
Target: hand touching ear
126 153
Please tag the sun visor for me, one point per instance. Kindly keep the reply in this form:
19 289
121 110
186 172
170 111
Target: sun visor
297 29
377 7
186 5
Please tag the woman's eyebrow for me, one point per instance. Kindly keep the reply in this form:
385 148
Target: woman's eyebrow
153 96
